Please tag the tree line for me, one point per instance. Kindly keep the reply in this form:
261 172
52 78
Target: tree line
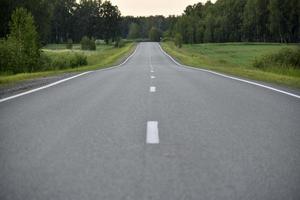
223 21
58 21
240 20
28 24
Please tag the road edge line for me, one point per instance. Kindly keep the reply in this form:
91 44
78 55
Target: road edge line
124 62
230 77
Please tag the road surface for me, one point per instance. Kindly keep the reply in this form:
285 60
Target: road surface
150 130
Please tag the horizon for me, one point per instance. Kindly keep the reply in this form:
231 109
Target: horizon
142 8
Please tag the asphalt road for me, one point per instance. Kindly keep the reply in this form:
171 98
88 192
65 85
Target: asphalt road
86 139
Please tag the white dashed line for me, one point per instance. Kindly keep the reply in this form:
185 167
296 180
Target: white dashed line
152 89
152 132
152 77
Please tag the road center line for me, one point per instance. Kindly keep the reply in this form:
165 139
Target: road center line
152 132
152 89
152 77
151 67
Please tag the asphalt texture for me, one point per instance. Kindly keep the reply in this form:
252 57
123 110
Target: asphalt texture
85 139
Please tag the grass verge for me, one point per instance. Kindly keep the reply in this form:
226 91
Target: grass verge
234 59
105 56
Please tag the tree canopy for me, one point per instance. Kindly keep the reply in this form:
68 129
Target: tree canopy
241 20
222 21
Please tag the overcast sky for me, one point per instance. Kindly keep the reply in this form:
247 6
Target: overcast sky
153 7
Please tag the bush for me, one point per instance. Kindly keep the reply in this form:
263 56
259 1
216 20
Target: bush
119 43
59 62
45 62
87 43
69 44
78 60
178 40
167 39
155 34
24 36
99 42
62 61
286 57
92 44
20 51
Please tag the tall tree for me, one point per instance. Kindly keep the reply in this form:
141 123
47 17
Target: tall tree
262 20
88 19
111 17
275 18
249 21
62 21
6 8
40 9
24 37
134 31
154 34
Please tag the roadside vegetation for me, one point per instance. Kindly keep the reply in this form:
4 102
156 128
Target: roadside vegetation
286 61
61 60
243 38
21 55
93 33
275 63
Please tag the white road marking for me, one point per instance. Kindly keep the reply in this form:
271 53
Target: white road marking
152 71
152 132
152 77
230 77
152 89
150 63
44 87
64 80
125 61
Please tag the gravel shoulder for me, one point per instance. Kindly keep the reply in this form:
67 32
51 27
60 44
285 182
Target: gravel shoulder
23 86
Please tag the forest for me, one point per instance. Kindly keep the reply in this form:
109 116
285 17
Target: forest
240 20
223 21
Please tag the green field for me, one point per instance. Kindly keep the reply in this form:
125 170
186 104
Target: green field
236 59
104 56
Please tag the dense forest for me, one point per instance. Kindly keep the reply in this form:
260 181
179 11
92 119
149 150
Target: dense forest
223 21
60 20
240 20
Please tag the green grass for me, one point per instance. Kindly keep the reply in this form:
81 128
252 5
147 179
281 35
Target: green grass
104 56
235 59
60 47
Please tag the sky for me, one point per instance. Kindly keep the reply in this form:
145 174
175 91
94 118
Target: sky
153 7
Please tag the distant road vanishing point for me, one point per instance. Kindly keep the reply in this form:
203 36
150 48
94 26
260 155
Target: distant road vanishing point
150 130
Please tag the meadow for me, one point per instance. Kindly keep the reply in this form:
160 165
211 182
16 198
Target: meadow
61 60
239 59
